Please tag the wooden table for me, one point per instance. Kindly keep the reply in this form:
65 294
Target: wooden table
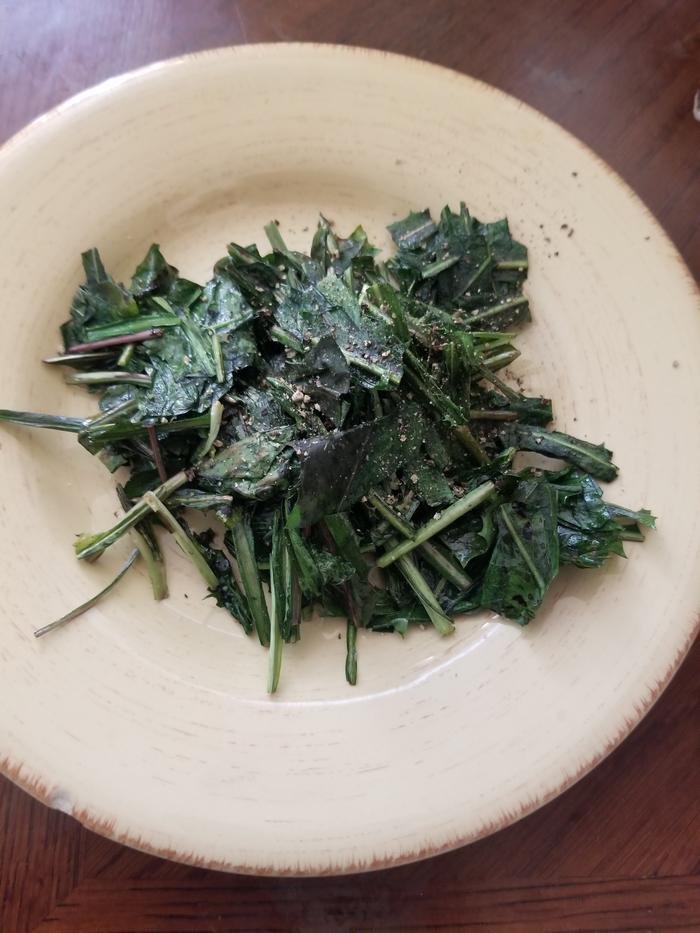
619 851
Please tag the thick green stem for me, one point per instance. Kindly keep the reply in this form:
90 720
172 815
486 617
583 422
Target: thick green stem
188 546
275 655
500 360
524 553
153 559
474 278
126 355
196 499
218 355
479 415
440 561
240 538
280 599
464 435
285 338
351 652
418 584
496 381
307 571
341 531
429 389
108 378
107 417
494 310
518 264
89 547
132 325
631 534
215 415
147 544
450 515
105 433
435 268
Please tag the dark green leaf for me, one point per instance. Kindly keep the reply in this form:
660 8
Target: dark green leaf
153 274
227 592
338 469
525 558
595 459
255 467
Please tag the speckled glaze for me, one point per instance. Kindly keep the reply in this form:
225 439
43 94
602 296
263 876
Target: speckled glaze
149 722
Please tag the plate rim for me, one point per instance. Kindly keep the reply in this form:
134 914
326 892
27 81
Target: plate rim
33 783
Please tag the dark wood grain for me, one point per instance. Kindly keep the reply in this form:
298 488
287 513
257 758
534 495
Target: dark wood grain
620 850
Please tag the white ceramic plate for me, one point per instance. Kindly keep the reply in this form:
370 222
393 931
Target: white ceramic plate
150 722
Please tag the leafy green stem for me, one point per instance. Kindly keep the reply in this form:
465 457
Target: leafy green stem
125 408
105 433
130 326
495 310
218 355
215 415
197 499
109 377
418 584
89 547
520 265
467 503
477 414
501 359
285 338
351 652
240 539
188 546
126 356
435 268
431 553
520 544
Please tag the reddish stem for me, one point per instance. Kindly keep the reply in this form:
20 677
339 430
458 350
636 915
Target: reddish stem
157 455
117 341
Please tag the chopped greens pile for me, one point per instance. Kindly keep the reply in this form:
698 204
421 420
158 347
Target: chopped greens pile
345 423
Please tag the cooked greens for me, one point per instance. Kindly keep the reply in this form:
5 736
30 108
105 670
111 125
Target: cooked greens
333 413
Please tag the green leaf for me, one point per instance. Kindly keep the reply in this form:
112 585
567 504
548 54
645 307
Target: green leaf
338 469
534 411
153 274
254 468
472 538
324 375
227 593
99 300
308 572
329 307
525 558
595 459
413 230
333 569
239 541
590 529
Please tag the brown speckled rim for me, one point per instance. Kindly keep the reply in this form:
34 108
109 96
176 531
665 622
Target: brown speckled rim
34 785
